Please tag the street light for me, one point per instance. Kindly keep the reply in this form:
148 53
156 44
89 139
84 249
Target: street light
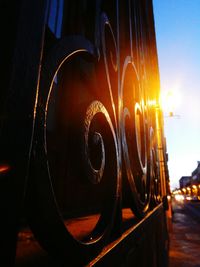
169 102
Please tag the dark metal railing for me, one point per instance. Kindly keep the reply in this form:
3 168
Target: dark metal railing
92 124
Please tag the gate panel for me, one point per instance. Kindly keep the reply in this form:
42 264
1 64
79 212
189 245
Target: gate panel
88 165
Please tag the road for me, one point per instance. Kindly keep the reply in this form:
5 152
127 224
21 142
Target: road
185 235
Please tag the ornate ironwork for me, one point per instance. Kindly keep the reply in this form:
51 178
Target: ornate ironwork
95 125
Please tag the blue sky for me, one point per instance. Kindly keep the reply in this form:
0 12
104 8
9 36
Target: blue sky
177 25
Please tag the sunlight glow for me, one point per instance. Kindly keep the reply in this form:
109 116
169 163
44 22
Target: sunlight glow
170 101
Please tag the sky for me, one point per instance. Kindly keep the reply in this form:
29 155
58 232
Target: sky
177 25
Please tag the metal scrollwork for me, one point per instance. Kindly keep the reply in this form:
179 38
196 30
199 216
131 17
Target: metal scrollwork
110 57
134 138
154 170
75 136
91 115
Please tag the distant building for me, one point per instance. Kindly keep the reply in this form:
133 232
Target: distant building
185 181
196 175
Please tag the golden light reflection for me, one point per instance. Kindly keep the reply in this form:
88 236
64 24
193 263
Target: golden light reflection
152 103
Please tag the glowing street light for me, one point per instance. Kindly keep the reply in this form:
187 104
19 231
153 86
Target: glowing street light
169 102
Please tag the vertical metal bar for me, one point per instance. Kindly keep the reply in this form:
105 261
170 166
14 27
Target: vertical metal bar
159 131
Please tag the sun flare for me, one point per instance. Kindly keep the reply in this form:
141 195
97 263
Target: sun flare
170 100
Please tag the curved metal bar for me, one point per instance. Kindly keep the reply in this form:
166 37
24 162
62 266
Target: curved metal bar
134 138
105 25
41 180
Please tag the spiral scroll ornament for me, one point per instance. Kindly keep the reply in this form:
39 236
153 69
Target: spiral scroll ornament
75 157
92 125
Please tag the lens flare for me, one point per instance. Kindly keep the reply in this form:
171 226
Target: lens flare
170 101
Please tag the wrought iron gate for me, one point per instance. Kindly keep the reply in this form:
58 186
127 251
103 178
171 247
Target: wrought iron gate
82 134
